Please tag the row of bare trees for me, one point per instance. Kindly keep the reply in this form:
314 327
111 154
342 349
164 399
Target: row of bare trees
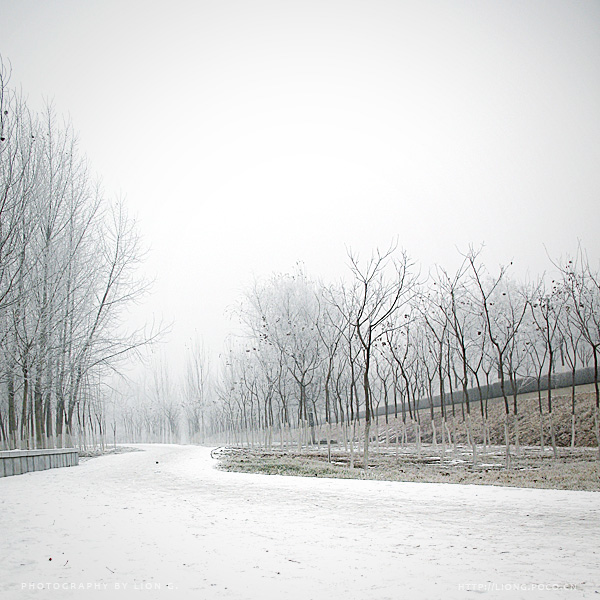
166 405
387 343
67 261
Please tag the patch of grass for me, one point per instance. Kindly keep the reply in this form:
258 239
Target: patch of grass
282 465
571 471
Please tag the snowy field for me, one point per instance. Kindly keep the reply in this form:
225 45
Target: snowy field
164 523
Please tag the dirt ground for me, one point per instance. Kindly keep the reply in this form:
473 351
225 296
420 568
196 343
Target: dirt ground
574 469
528 416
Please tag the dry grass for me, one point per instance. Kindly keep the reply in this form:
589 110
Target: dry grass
528 417
576 469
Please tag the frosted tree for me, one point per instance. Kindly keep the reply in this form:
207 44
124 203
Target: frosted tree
503 317
546 310
196 390
377 300
582 285
464 329
67 273
331 337
574 350
284 312
433 320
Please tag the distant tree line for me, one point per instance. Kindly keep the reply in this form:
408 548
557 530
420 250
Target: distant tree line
67 272
162 408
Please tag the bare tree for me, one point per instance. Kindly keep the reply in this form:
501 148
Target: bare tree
330 334
67 273
196 391
582 284
546 310
378 299
461 315
432 307
284 312
503 319
572 343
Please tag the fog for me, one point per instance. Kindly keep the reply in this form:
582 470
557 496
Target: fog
249 136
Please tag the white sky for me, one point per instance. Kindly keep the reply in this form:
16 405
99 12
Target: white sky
250 135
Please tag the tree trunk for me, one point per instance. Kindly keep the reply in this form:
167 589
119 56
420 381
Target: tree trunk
597 423
352 443
517 436
473 442
366 445
448 435
418 437
12 416
549 380
38 411
552 435
541 417
454 436
597 390
516 420
24 406
507 440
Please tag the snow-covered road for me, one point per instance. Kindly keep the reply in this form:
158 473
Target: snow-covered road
163 523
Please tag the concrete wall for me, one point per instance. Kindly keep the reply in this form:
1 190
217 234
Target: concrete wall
560 380
16 462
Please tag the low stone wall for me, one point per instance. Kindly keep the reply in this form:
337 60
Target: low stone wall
16 462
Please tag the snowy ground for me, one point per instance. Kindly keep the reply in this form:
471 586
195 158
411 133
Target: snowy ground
163 523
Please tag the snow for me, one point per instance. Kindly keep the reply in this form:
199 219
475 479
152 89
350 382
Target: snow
164 523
